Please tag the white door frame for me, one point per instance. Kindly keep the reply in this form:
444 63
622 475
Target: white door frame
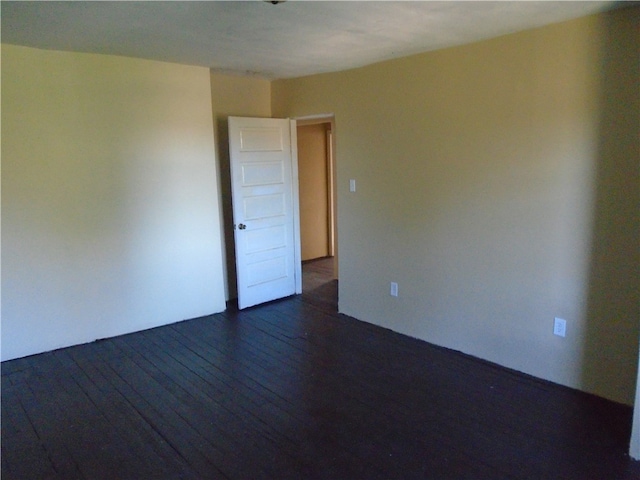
295 180
333 213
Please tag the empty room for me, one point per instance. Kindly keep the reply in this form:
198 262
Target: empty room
473 310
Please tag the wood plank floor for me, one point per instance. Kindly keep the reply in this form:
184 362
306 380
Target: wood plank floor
293 390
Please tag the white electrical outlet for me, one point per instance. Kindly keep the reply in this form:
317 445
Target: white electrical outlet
560 327
394 289
352 185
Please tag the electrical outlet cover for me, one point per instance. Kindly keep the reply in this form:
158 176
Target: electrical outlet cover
560 327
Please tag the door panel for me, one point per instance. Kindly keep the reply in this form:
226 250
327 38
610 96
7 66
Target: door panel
261 139
262 174
262 181
264 206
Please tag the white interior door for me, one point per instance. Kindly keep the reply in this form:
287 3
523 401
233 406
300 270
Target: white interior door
264 184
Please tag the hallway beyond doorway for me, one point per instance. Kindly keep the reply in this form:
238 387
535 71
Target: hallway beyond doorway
319 285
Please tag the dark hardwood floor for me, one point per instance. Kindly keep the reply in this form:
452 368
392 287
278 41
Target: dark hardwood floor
293 390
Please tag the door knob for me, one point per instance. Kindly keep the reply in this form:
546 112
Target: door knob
242 226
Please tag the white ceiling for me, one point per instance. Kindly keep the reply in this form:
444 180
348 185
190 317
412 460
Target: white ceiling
291 39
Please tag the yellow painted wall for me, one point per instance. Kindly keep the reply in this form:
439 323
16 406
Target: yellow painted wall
313 182
480 171
617 250
239 97
110 202
634 444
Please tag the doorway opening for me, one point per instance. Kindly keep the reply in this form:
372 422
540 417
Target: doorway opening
318 232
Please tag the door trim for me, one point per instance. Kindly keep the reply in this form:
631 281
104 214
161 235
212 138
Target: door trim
331 119
297 248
